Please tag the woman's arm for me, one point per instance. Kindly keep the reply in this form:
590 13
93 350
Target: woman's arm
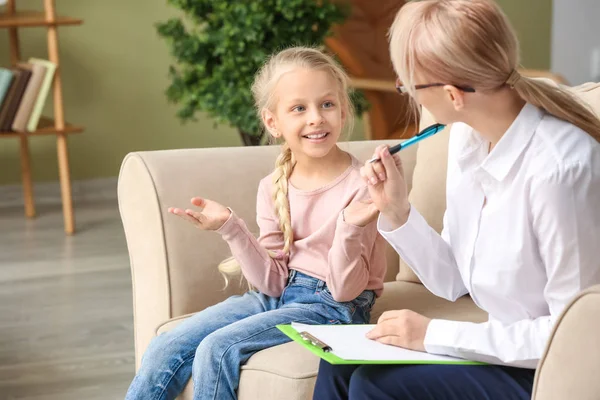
566 221
427 253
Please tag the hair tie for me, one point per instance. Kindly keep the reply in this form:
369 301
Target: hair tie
513 78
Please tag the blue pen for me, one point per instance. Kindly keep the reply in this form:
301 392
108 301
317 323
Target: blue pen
425 133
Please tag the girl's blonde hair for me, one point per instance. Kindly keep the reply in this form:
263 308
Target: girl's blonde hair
263 91
471 43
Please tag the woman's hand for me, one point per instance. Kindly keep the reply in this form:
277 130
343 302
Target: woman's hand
401 328
210 217
387 186
360 212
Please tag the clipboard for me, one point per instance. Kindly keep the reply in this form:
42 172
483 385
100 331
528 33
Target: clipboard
324 351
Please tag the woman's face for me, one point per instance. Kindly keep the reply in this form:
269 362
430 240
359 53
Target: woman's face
444 102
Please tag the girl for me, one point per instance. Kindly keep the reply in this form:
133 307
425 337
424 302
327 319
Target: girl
522 224
318 260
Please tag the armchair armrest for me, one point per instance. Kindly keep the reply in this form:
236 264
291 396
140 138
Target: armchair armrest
174 264
570 366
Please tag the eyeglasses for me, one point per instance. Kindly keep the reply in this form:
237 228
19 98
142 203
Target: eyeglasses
403 89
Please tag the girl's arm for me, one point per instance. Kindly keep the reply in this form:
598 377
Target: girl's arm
353 247
269 275
349 259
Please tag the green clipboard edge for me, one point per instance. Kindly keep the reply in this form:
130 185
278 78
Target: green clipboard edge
335 360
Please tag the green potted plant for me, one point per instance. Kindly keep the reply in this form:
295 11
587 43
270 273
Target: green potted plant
221 45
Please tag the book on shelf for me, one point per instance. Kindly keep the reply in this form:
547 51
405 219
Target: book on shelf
13 99
29 96
24 91
38 106
8 98
6 79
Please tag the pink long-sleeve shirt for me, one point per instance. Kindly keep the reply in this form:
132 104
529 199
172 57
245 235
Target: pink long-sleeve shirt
349 258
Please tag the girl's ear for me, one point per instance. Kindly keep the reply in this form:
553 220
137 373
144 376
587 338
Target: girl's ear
270 122
456 96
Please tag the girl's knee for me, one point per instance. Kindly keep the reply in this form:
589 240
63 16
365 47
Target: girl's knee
165 351
214 348
156 350
164 369
219 353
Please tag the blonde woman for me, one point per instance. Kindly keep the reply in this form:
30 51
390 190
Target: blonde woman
522 224
319 258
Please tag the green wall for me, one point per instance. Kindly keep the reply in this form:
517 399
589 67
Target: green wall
114 70
532 20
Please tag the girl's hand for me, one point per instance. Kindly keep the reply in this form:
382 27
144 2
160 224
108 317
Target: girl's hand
360 212
387 186
401 328
211 216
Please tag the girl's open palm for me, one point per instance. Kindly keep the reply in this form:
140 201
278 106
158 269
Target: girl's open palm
210 215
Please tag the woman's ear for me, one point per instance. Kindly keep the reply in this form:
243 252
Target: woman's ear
270 122
456 96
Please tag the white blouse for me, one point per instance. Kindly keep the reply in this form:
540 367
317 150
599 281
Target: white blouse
521 236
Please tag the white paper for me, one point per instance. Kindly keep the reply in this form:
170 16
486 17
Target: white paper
350 343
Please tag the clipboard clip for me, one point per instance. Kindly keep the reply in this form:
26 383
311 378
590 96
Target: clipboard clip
315 342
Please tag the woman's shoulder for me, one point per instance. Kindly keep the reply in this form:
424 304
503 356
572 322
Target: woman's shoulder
563 140
558 145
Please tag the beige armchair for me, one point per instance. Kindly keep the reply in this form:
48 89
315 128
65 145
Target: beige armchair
174 272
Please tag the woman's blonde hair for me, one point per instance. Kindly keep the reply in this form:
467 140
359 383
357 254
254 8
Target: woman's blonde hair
472 43
263 91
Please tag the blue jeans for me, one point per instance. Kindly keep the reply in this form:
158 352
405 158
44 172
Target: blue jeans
423 382
212 345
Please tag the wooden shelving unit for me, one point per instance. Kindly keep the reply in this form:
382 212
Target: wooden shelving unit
12 20
34 18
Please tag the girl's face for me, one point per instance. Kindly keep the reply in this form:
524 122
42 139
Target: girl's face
308 113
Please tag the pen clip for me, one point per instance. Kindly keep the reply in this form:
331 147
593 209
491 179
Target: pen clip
435 128
314 341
